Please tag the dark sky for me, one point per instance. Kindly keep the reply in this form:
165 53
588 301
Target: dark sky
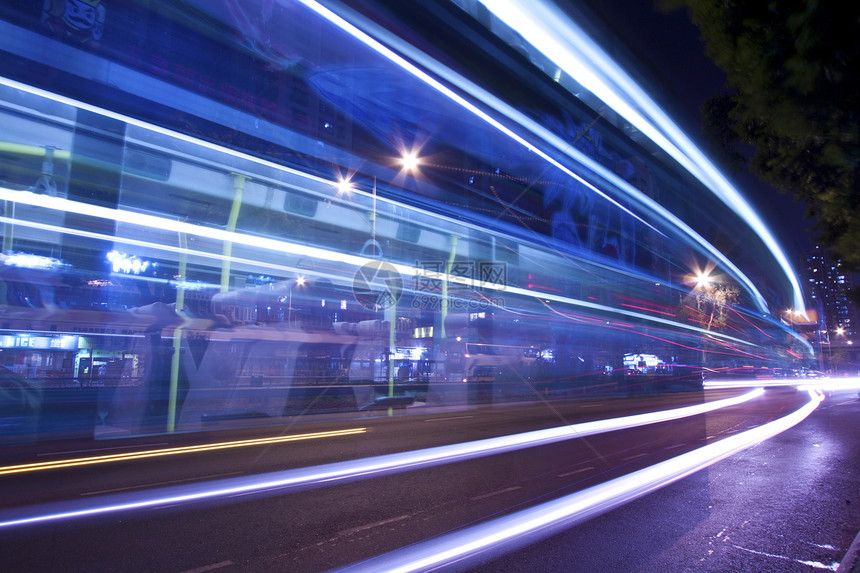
669 45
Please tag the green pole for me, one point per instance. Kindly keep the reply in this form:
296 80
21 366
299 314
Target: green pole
9 228
177 337
238 188
392 327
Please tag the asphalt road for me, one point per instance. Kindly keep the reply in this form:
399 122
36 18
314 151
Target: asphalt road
789 504
335 524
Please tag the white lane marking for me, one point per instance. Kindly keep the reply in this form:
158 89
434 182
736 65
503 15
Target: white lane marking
365 527
823 546
449 418
574 472
681 445
218 565
815 564
498 492
148 485
628 458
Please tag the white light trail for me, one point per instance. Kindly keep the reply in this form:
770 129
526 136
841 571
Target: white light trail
618 98
750 383
508 533
318 476
397 59
552 33
280 247
160 130
546 135
417 72
831 383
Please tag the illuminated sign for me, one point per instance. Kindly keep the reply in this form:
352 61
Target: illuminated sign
40 342
423 332
408 353
641 361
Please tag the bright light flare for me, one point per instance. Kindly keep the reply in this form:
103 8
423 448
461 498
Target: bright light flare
410 161
344 186
703 281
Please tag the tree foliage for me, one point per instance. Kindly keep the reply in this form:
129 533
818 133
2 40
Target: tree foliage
793 69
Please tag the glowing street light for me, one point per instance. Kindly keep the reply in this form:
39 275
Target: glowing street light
300 281
410 161
703 280
344 186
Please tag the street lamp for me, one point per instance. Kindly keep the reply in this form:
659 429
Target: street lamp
344 186
703 280
410 161
791 313
300 281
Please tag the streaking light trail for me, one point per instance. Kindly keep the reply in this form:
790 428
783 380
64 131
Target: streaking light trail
68 463
518 117
328 474
278 246
528 526
551 32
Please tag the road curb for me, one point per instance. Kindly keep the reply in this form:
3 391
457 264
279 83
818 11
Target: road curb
851 562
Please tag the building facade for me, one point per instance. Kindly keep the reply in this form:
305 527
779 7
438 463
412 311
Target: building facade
258 209
830 288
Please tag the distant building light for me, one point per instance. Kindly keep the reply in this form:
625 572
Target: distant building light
259 280
30 261
192 285
127 264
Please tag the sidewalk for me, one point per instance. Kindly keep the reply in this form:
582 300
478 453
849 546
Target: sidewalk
851 562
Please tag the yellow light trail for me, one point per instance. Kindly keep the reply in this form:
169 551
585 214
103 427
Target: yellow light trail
68 463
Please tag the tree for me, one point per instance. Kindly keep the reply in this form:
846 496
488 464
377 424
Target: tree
793 69
708 305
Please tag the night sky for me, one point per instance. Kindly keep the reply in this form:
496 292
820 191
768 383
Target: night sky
671 51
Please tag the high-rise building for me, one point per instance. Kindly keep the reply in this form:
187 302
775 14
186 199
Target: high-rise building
829 287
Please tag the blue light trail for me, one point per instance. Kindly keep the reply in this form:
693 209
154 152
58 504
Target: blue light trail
576 65
552 32
508 533
328 474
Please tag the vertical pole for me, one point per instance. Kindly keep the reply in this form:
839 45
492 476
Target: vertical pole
392 322
177 337
9 228
373 214
238 188
443 307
